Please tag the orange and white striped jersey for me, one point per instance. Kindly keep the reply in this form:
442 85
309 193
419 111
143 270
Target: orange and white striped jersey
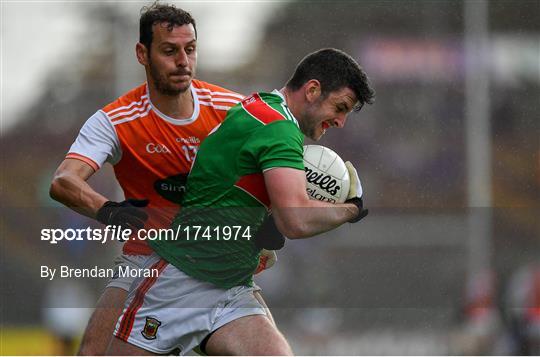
151 152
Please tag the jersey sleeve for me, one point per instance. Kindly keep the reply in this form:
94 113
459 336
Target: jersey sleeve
96 143
278 144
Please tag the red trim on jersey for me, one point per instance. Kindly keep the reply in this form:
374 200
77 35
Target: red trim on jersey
260 110
84 159
254 185
263 260
128 317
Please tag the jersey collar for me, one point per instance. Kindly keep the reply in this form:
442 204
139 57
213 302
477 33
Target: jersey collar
186 121
277 92
286 107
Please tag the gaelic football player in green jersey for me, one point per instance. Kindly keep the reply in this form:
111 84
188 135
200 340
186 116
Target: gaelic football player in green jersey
250 166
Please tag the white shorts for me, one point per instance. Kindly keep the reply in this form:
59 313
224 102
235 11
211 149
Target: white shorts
176 311
125 261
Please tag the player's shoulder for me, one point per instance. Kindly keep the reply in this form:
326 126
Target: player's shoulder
268 108
214 90
215 97
135 99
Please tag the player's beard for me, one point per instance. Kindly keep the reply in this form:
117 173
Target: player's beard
163 85
307 127
310 122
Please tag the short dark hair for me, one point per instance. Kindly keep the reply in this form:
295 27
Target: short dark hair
161 13
334 69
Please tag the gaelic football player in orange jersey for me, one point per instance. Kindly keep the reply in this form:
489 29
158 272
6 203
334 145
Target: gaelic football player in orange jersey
150 135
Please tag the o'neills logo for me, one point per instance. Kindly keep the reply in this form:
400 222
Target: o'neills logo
325 182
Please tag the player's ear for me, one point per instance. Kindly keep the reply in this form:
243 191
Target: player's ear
312 90
142 54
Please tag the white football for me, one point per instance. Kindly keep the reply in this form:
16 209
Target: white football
326 174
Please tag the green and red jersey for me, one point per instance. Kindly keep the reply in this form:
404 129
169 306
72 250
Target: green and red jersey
226 188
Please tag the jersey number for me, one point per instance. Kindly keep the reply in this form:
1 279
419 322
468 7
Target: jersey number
190 151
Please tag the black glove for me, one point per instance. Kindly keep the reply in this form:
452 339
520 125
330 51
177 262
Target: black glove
268 237
361 211
126 214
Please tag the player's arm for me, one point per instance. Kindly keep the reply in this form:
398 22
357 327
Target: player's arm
297 216
97 141
69 187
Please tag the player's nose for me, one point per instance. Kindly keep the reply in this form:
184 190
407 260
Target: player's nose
339 122
182 59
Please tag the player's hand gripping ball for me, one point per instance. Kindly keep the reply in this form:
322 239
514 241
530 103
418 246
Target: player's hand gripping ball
326 174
